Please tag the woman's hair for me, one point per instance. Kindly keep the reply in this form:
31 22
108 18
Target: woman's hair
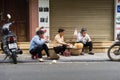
61 30
83 29
39 32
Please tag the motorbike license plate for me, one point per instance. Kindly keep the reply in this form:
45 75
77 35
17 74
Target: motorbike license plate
13 45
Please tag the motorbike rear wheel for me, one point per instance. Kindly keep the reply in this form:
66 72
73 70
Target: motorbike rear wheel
14 58
114 53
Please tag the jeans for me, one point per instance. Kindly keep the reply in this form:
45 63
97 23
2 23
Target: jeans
38 50
88 44
60 49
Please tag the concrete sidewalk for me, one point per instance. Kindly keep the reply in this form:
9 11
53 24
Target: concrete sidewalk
97 57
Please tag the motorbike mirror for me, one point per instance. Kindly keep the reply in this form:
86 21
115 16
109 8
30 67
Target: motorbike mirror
9 16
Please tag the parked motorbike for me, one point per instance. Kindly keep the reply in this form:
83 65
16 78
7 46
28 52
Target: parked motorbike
114 50
9 42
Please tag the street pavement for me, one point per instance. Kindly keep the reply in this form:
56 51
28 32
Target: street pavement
87 67
26 58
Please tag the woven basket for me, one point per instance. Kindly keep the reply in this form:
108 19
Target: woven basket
53 55
75 51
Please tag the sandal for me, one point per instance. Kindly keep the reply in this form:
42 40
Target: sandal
41 60
48 58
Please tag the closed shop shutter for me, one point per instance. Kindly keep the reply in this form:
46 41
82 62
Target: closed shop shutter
96 15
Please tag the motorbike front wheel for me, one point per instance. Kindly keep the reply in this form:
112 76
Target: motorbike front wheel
114 52
14 58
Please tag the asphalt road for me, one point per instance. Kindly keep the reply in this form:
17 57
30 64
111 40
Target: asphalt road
61 71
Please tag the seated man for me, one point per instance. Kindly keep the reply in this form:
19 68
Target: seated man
37 44
60 45
84 38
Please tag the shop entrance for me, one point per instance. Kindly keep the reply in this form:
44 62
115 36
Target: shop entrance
18 9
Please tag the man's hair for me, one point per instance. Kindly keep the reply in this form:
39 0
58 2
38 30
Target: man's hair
39 32
83 29
61 30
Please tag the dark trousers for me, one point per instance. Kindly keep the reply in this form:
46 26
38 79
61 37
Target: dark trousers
60 49
38 50
89 45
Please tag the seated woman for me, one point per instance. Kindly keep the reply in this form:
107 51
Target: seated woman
60 45
37 44
84 38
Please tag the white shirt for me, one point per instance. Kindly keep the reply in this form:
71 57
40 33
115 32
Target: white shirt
83 39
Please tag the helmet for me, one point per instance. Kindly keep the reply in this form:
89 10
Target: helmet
5 28
5 31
